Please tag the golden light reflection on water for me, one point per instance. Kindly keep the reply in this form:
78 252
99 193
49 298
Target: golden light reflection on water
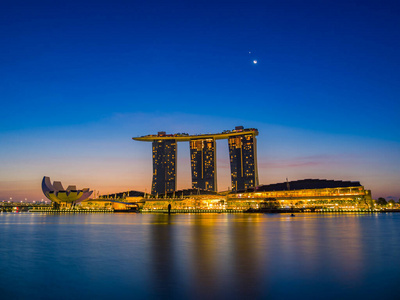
243 252
213 255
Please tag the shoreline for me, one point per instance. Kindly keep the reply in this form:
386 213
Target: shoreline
214 211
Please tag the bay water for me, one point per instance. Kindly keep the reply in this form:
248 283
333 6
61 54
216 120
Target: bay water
199 256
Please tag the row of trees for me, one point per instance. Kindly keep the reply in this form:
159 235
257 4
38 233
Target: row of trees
382 201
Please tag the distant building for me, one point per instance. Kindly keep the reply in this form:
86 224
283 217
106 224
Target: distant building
203 163
164 165
243 158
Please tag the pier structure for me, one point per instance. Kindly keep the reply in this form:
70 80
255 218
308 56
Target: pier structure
242 152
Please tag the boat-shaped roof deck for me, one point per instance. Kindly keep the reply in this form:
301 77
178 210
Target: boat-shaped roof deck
183 137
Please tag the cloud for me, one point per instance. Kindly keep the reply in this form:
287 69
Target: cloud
304 161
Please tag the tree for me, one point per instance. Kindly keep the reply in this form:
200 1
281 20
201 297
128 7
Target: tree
391 203
381 201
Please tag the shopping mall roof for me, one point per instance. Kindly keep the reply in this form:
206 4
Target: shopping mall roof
305 184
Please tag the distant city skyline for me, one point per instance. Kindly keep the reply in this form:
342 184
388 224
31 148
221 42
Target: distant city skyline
80 78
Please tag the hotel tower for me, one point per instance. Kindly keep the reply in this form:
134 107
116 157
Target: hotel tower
243 158
203 162
164 165
242 152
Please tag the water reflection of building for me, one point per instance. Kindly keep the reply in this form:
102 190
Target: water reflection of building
210 256
204 258
250 255
162 263
227 256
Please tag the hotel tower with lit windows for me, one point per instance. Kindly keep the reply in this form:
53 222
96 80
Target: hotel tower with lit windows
243 158
203 163
242 151
164 166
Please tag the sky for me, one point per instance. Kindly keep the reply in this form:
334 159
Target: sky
79 79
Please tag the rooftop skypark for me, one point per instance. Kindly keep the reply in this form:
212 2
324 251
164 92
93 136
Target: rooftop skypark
185 137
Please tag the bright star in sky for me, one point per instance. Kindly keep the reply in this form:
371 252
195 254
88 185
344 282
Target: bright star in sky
254 62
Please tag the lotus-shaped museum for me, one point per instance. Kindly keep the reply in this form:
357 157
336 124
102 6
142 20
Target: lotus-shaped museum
56 193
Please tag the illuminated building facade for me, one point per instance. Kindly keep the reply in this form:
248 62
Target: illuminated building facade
242 149
243 158
302 195
164 165
203 163
305 194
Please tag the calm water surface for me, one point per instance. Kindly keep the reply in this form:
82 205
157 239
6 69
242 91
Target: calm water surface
209 256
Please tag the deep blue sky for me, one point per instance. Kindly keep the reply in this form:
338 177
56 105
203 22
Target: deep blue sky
329 68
